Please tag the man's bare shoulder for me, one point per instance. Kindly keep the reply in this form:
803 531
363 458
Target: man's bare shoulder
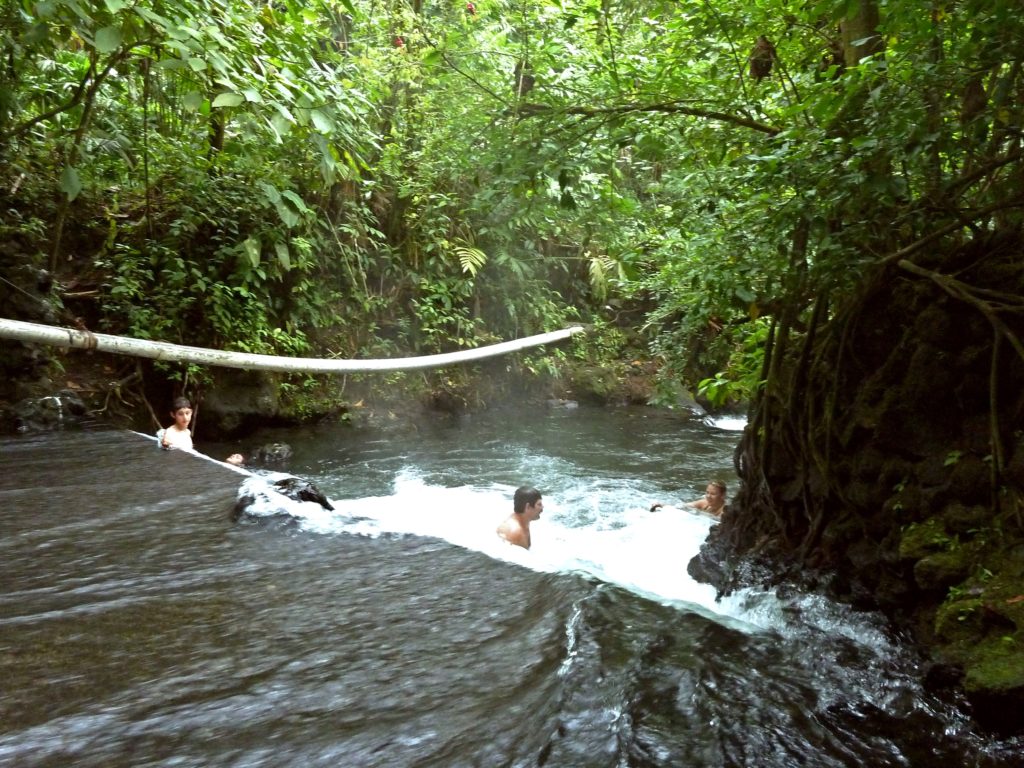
513 532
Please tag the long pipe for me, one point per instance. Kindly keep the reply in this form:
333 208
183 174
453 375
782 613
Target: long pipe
71 338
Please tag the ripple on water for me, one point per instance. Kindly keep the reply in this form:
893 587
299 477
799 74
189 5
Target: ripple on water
400 631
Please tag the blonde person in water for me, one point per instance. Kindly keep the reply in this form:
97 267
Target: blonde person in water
178 435
713 502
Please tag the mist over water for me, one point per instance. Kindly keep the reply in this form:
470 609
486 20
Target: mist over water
140 626
597 520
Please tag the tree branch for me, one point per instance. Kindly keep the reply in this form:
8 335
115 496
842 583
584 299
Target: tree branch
962 221
541 110
455 68
72 101
957 187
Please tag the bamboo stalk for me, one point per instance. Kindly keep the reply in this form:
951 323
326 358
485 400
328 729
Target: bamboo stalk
70 338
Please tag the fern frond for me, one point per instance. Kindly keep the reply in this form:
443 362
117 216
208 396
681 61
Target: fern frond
471 259
600 267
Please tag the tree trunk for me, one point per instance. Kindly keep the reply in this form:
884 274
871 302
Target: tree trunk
859 33
88 101
70 338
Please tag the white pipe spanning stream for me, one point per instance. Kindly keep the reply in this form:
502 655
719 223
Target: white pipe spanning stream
35 333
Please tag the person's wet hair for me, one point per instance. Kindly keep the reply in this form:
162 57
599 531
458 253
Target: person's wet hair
525 495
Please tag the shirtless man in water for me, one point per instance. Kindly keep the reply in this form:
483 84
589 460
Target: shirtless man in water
526 506
713 502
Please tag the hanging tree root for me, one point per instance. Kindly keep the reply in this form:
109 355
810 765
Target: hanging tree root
801 426
989 303
117 389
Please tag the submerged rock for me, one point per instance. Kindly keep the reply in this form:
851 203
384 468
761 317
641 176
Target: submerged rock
277 498
273 454
44 414
302 490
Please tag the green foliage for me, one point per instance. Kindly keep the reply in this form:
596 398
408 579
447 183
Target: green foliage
441 309
742 377
603 345
355 176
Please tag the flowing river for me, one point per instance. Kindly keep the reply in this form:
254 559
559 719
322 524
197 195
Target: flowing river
398 630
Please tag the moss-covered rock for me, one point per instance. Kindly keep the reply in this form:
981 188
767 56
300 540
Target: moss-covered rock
994 665
919 540
942 570
915 514
963 519
957 622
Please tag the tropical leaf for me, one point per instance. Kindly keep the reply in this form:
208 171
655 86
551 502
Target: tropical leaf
251 246
321 121
295 200
270 191
108 39
70 184
600 268
471 259
282 256
228 100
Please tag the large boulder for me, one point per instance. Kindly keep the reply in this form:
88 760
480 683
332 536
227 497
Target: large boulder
238 401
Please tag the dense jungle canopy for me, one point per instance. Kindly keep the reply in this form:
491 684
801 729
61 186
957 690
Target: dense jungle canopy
814 207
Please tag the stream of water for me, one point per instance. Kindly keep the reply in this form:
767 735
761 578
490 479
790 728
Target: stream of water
398 630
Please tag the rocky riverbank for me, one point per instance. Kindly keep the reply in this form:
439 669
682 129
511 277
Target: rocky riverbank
891 471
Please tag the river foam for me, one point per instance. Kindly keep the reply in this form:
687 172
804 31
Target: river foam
623 544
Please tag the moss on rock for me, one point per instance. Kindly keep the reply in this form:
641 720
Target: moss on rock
921 512
995 665
944 569
919 540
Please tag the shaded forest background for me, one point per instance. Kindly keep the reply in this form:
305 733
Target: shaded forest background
813 208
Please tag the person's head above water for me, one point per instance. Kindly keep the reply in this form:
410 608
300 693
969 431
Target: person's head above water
181 412
714 495
524 497
526 507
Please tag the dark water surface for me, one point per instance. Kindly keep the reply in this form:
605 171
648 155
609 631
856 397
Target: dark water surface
140 627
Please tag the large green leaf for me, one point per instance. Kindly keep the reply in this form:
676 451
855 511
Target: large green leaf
295 200
108 39
321 121
192 100
287 214
282 256
70 184
270 192
228 100
252 248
